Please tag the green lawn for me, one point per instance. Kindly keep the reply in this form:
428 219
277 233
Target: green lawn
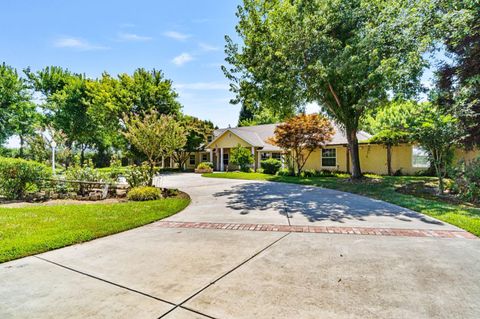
383 188
32 230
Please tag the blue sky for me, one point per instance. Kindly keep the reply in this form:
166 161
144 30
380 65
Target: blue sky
184 38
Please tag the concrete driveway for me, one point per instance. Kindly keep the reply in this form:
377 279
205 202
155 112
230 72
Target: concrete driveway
232 201
257 250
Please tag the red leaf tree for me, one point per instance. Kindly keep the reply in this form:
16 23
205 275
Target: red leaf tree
301 135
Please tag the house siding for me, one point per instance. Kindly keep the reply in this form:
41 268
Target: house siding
229 140
373 159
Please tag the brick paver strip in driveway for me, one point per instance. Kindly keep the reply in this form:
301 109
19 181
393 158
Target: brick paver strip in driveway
321 229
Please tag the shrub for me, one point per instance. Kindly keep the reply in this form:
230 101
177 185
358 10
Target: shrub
466 180
138 175
144 193
285 172
115 170
242 157
271 166
205 165
170 192
308 173
398 172
18 176
85 173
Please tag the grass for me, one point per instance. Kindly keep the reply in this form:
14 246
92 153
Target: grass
383 188
32 230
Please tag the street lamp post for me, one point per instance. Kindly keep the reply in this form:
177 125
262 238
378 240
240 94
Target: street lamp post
54 145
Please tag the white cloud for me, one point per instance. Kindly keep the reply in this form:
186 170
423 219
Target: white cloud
182 59
133 37
77 43
177 35
202 86
207 47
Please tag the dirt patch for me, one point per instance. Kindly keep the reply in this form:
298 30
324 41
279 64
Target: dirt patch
428 191
55 202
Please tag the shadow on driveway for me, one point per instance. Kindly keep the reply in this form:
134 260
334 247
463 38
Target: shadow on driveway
316 204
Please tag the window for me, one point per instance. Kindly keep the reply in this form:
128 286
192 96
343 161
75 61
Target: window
329 157
277 156
204 158
420 157
225 159
264 156
209 138
192 159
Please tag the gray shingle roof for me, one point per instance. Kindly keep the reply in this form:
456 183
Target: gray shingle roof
258 135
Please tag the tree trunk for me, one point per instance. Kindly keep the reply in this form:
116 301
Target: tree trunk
152 169
354 152
68 146
389 160
82 155
22 142
438 163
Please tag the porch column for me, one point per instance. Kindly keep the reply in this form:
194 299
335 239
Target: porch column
217 167
211 156
163 161
171 162
259 158
253 155
221 159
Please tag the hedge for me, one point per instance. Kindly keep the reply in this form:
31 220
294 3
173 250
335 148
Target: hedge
18 177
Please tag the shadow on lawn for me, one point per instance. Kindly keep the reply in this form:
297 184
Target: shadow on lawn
313 203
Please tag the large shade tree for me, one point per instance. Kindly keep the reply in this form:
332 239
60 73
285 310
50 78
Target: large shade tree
65 107
111 98
347 56
457 87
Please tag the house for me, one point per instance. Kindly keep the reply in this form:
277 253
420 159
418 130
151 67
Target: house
335 156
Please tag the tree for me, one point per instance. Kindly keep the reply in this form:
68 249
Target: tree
197 132
264 116
155 135
111 98
457 88
347 56
68 112
301 135
438 134
13 95
65 107
389 126
242 157
23 122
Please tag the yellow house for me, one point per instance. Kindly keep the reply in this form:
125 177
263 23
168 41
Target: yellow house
406 158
